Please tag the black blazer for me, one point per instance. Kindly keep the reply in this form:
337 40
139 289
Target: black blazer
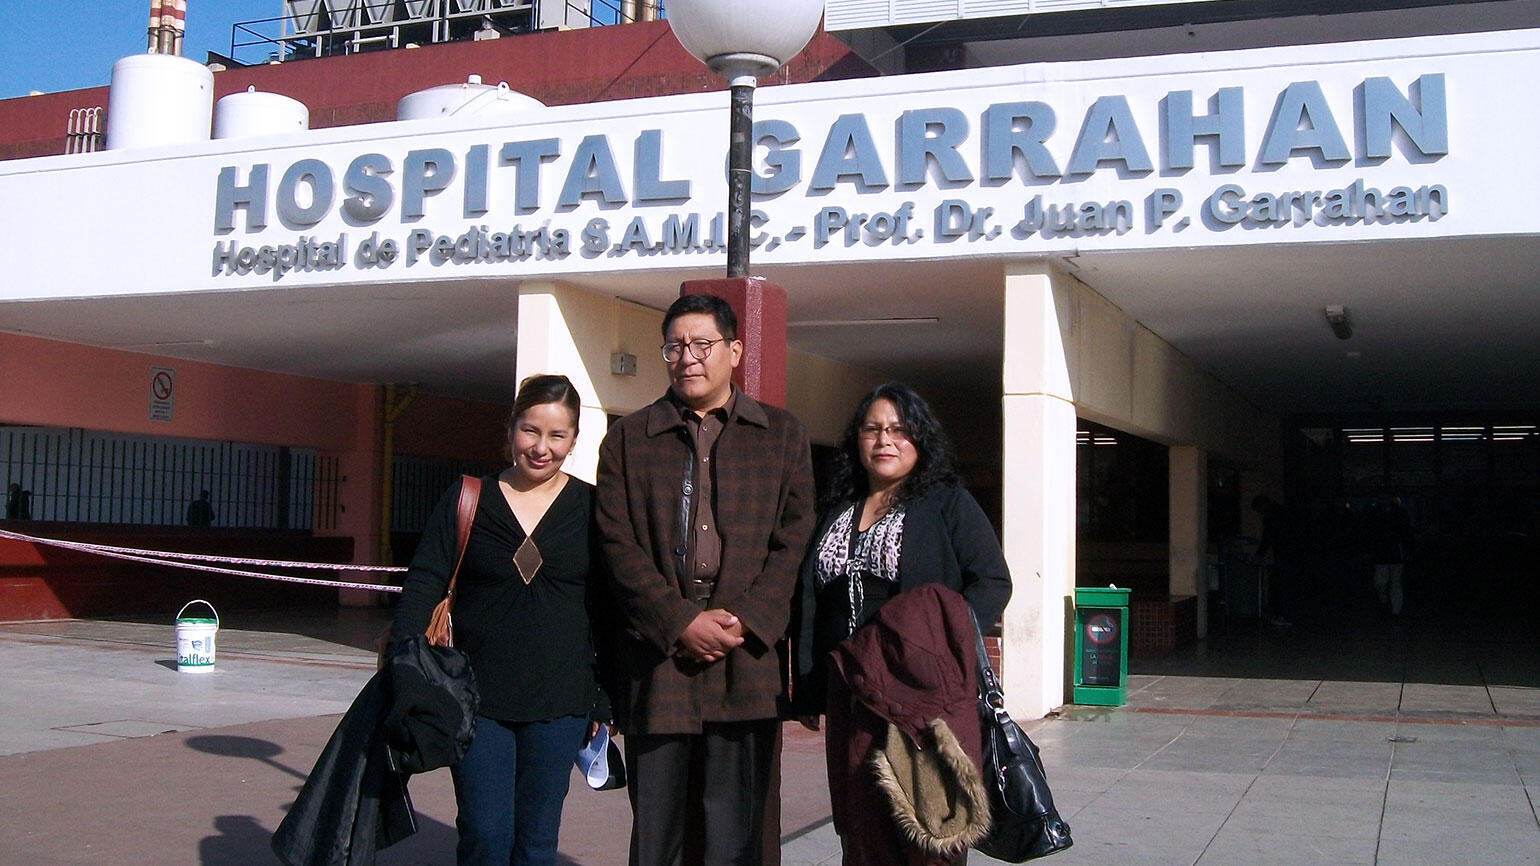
947 540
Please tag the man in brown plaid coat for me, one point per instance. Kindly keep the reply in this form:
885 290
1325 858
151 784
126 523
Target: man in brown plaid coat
705 507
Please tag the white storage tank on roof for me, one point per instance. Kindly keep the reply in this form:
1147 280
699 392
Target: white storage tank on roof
158 99
471 98
252 114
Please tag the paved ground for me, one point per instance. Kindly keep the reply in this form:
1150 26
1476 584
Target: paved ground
1352 743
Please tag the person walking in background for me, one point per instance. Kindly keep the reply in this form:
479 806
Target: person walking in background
18 503
1388 533
897 518
1280 538
704 508
200 512
524 602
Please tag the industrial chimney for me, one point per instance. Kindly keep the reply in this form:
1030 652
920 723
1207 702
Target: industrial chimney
168 21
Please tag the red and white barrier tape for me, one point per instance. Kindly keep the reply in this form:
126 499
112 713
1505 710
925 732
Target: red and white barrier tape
192 560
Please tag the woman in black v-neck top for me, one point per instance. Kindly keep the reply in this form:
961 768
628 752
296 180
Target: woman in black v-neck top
522 612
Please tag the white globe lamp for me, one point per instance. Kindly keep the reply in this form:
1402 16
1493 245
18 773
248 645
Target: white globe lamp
742 40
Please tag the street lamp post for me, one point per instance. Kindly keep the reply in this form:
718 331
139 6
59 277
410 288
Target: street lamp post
742 40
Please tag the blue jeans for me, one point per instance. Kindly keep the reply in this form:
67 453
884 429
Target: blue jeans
509 788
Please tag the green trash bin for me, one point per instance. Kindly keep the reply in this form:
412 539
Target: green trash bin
1101 646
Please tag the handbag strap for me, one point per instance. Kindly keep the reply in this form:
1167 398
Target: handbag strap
465 514
988 684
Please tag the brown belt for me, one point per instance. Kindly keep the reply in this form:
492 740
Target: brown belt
701 589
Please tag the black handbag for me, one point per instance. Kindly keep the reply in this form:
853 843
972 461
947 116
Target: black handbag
431 715
1023 821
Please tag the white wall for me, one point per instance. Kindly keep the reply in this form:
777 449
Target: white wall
1068 353
823 393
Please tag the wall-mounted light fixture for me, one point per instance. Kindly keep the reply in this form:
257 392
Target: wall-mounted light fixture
1339 320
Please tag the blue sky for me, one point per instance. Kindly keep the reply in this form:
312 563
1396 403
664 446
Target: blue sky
68 44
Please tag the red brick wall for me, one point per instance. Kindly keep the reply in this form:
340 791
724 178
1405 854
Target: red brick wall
39 581
1159 625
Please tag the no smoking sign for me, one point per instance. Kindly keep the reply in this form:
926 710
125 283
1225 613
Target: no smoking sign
162 393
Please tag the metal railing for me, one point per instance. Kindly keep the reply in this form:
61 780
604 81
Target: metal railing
89 476
324 28
420 482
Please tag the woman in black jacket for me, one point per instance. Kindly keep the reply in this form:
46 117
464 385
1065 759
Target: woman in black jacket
897 518
522 613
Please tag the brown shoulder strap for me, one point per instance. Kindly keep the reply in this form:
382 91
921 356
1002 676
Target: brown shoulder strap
470 494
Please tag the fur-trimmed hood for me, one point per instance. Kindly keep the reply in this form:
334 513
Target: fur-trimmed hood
938 795
913 666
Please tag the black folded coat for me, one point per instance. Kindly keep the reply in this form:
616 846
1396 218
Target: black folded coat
416 714
433 700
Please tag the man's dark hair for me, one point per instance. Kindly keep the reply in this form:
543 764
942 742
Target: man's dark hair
713 306
933 465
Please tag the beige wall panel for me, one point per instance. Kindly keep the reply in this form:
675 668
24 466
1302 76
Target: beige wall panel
823 393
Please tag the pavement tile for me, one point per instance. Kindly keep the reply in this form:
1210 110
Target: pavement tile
820 848
1453 733
1155 792
1181 692
1152 723
1524 745
1470 806
1312 730
1123 850
1106 756
1294 847
1065 780
1433 699
1496 772
1309 806
126 728
1356 698
1332 759
1243 755
1445 841
1223 725
1455 753
1513 702
1266 694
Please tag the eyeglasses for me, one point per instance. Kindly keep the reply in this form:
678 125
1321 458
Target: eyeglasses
896 432
700 350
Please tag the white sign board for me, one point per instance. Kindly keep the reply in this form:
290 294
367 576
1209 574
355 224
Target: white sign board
162 393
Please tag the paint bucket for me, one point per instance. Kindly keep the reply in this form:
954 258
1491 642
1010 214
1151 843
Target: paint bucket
195 639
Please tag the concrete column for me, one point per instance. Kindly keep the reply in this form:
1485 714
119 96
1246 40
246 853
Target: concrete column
358 487
556 335
1038 478
1187 472
761 309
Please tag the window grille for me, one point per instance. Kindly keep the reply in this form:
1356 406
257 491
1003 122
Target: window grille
87 476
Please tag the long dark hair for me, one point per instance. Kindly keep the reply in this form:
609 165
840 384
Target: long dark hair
933 465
